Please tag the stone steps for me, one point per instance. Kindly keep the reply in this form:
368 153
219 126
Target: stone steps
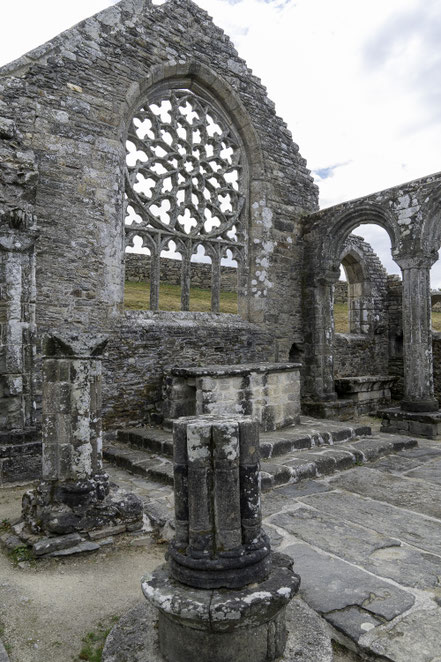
272 444
290 455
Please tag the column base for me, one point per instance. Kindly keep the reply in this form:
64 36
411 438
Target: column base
57 508
223 625
421 424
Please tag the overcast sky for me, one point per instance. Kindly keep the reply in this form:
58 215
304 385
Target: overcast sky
357 81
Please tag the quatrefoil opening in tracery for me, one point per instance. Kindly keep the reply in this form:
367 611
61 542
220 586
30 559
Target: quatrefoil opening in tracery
184 169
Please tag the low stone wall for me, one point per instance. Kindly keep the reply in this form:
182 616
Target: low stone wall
20 456
145 343
138 269
341 292
356 355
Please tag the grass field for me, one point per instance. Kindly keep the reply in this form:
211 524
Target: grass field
342 324
137 297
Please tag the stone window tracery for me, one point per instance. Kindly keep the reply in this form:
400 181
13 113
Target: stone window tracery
185 181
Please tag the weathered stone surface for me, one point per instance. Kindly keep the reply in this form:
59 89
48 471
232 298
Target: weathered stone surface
428 472
107 531
398 491
135 637
395 643
373 551
49 545
353 621
416 530
395 464
85 546
223 625
346 585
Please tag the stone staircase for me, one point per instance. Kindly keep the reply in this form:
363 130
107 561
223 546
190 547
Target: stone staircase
313 448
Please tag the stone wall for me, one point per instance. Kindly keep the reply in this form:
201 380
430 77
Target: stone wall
357 355
137 268
341 292
71 102
145 344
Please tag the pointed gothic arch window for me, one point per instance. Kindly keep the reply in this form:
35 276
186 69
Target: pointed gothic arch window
186 182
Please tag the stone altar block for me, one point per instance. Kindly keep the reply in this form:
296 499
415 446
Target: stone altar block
268 392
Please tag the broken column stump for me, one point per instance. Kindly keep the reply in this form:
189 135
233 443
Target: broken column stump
74 495
223 595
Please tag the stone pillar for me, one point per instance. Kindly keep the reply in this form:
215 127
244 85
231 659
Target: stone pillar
222 596
74 494
417 334
320 334
17 320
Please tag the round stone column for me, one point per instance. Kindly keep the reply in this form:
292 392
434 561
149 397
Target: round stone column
417 334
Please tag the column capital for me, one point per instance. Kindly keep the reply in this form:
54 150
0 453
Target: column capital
420 260
327 277
74 345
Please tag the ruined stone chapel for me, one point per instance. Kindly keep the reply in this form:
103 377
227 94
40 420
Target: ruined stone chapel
142 124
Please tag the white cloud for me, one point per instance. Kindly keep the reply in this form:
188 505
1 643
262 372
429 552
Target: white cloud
357 82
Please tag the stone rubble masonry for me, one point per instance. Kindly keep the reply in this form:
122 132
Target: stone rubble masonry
148 342
137 268
71 101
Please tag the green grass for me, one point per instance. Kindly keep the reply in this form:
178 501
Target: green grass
342 322
21 553
341 318
93 642
137 297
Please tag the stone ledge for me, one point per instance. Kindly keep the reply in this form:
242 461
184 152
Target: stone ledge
227 370
422 424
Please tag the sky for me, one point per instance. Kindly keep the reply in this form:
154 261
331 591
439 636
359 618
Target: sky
358 82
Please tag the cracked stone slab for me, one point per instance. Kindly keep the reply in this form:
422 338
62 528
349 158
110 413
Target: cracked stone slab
280 497
405 492
416 530
375 552
414 638
330 584
424 453
395 464
353 621
430 472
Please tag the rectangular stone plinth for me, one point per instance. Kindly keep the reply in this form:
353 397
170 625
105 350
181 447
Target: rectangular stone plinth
269 392
420 424
368 392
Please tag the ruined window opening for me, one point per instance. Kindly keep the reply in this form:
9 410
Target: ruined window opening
360 302
185 189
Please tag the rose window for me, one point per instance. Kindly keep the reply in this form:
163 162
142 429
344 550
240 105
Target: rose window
184 185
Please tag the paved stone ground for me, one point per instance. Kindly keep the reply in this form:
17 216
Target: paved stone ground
367 545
